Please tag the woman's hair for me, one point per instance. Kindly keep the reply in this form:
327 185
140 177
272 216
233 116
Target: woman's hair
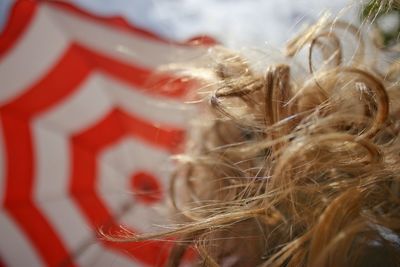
297 164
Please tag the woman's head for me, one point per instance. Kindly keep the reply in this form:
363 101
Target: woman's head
295 165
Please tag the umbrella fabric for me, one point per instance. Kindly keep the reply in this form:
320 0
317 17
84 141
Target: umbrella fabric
87 126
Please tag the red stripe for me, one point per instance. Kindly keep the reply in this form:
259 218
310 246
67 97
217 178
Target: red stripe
60 82
117 123
103 133
19 160
20 16
150 81
18 195
85 148
163 136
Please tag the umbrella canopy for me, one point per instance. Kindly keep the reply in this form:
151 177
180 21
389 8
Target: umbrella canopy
87 128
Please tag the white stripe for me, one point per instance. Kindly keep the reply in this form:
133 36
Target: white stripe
128 156
99 257
134 214
15 249
146 219
34 54
99 93
153 108
112 190
113 185
121 44
149 158
86 106
52 160
89 257
116 166
69 224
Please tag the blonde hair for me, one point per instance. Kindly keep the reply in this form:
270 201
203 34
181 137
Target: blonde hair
294 169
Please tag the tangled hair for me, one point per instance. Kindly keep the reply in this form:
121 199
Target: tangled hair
294 166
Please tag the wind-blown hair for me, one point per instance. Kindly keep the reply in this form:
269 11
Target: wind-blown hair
294 166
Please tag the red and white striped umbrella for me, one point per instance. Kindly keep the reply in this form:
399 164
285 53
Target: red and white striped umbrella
87 127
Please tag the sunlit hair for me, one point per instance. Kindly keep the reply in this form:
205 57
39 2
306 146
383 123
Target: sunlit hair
293 166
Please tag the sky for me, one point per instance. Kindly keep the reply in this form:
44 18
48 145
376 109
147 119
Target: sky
236 23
